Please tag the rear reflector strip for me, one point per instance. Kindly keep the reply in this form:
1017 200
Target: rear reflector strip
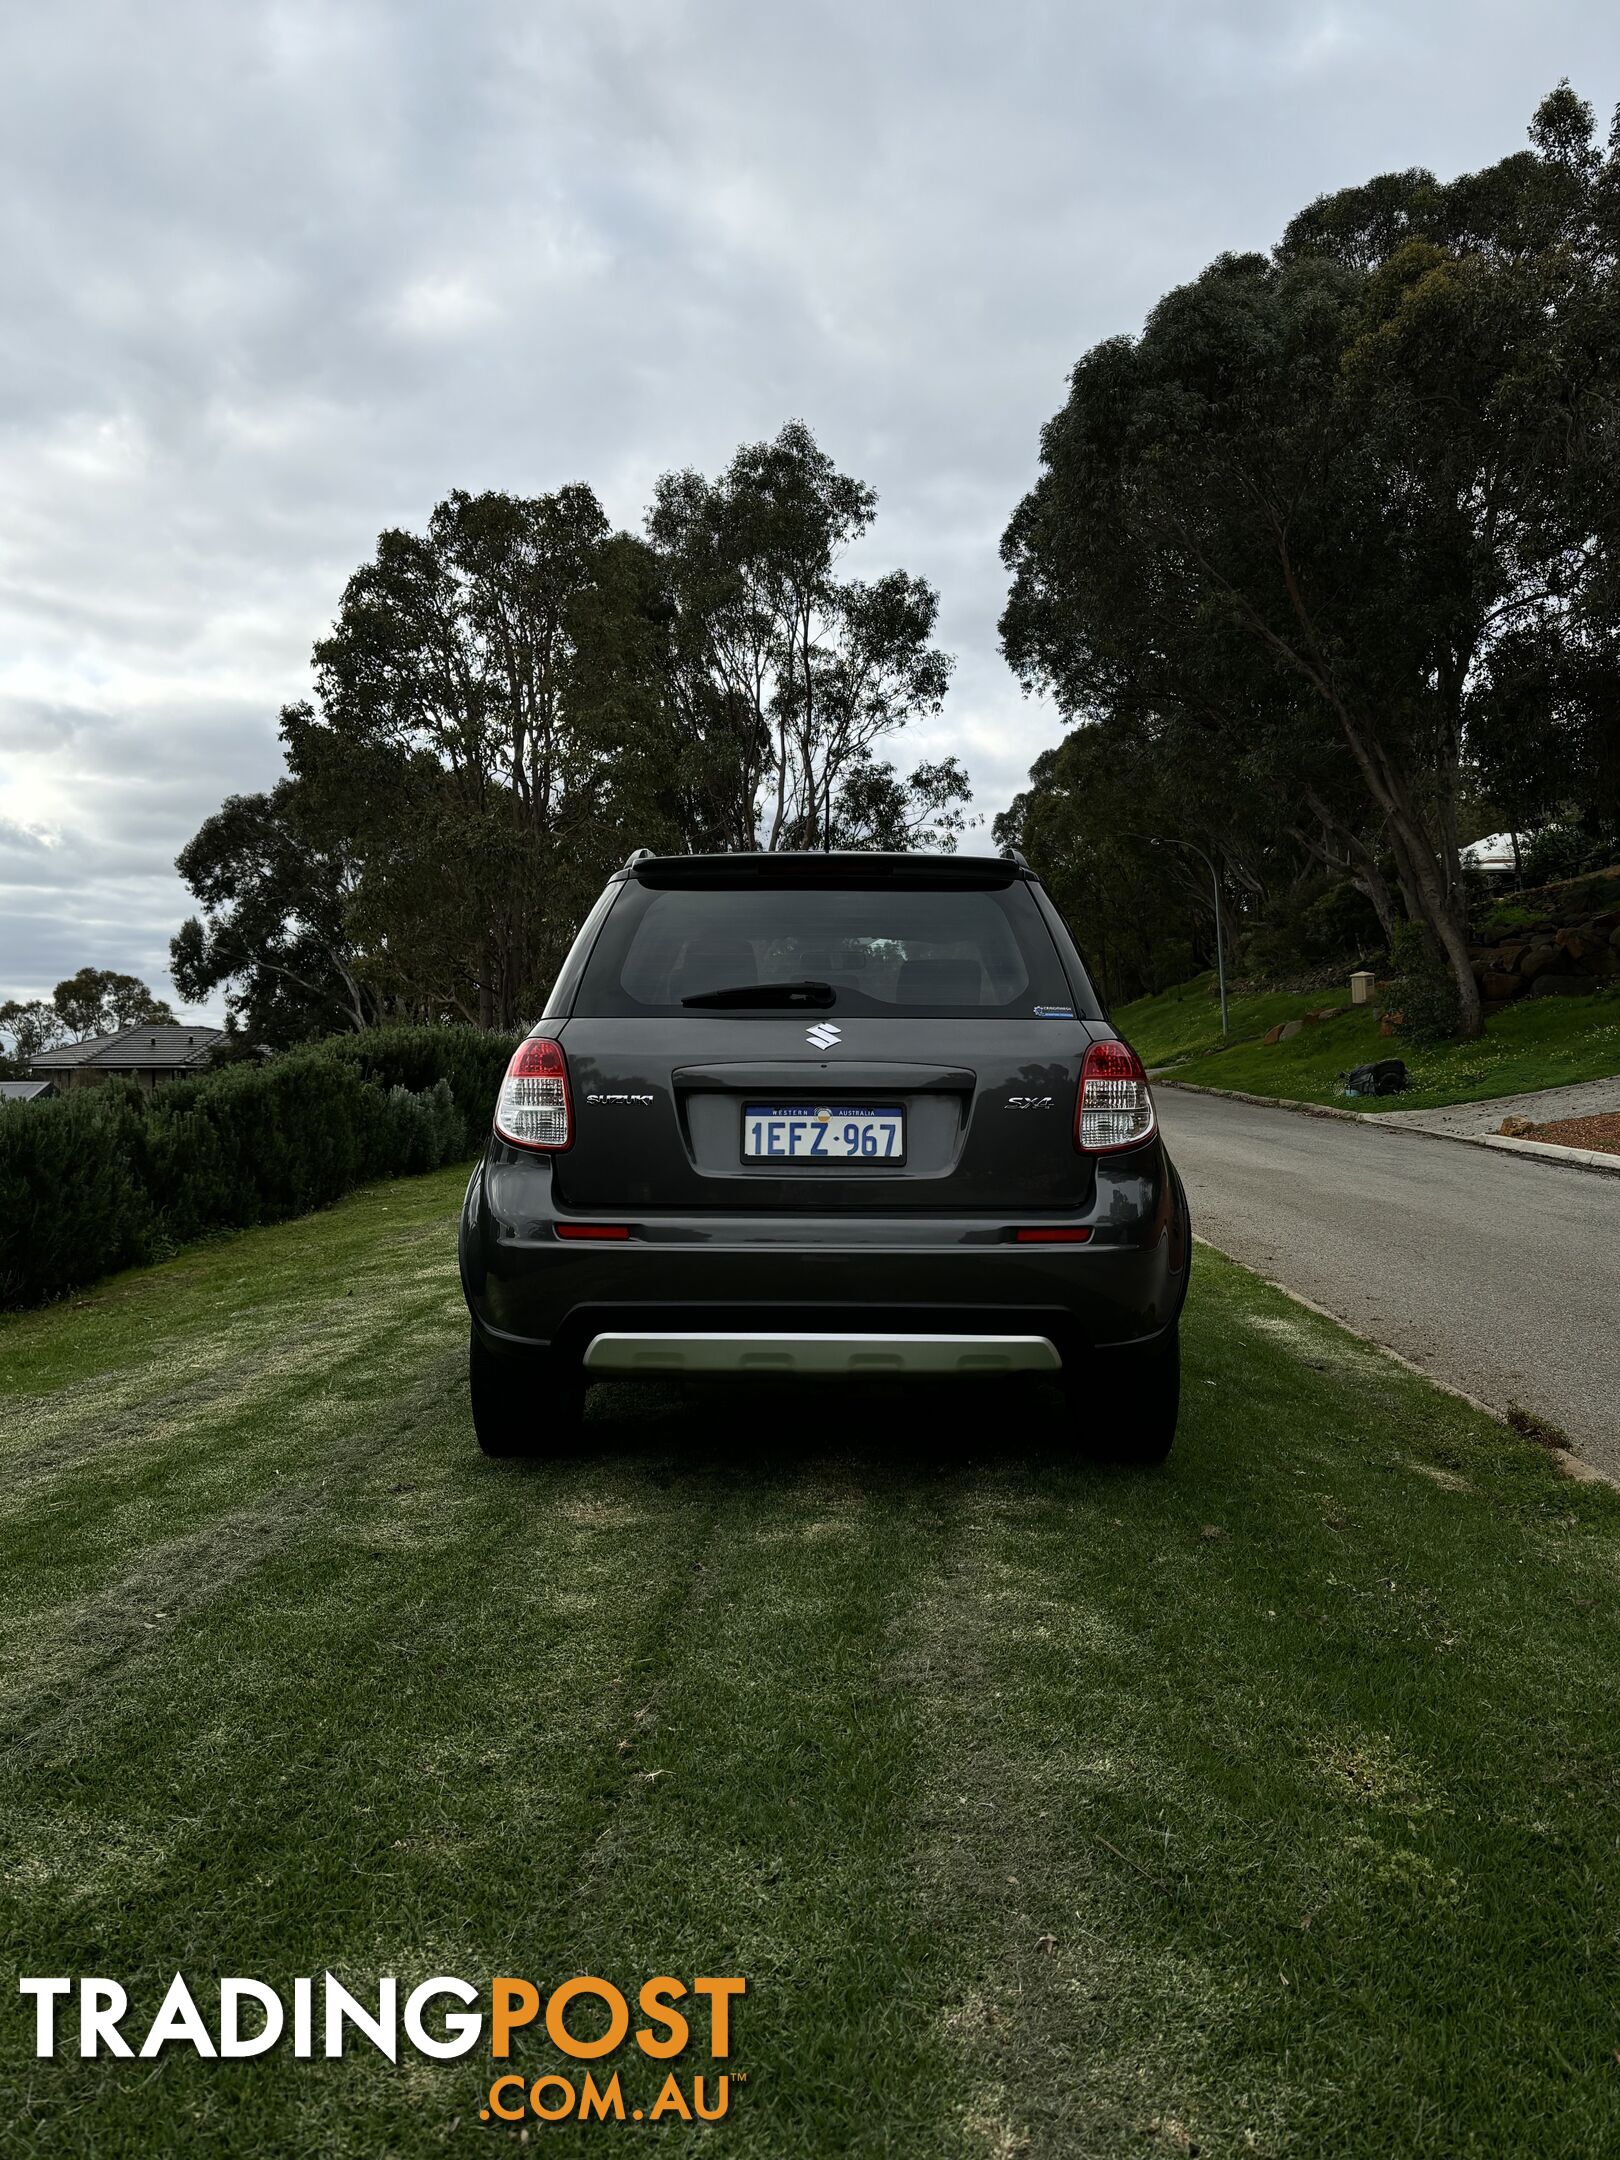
1077 1236
599 1233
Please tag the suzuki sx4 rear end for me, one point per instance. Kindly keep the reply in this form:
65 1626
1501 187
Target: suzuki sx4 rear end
831 1117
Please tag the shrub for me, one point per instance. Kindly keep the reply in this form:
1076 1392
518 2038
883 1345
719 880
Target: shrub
1566 850
109 1177
1423 992
1312 924
72 1204
470 1063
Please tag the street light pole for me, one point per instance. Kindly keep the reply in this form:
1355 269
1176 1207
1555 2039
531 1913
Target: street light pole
1167 840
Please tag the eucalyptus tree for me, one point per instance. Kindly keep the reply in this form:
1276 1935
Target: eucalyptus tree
472 737
794 670
512 699
100 1001
274 934
1320 504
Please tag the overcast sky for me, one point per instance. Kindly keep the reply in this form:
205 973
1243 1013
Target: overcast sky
275 277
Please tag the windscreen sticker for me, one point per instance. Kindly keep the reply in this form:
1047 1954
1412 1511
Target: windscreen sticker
1054 1012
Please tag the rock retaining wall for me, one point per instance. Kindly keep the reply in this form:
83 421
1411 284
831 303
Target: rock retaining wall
1549 959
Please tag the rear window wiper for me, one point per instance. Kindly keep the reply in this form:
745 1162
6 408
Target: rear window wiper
813 995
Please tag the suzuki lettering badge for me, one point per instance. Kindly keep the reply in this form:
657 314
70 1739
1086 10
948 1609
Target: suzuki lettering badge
823 1034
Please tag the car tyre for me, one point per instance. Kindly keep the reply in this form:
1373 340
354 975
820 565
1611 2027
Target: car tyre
521 1404
1130 1417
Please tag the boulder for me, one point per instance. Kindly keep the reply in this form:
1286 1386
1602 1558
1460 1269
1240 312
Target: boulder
1290 1029
1273 1034
1608 923
1582 946
1517 1128
1564 986
1390 1023
1543 960
1328 1012
1499 988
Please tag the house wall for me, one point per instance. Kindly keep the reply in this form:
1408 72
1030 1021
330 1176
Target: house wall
82 1076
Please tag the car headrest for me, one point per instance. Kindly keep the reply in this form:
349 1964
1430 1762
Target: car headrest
940 982
717 963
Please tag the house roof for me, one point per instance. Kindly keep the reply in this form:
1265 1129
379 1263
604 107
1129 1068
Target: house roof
24 1090
137 1049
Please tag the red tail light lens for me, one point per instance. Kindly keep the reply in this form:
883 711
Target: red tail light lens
1114 1108
533 1109
594 1233
1079 1234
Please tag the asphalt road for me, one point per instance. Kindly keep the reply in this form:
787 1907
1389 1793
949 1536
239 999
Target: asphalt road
1498 1275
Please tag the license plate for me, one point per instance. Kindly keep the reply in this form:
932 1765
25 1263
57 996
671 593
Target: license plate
804 1132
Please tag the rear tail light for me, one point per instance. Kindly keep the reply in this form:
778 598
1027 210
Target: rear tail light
1114 1108
533 1109
1075 1234
594 1233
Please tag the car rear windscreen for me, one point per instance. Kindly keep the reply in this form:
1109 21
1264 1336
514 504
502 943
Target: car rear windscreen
937 951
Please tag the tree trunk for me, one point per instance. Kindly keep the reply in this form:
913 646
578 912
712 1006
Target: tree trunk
777 821
1435 902
1470 1006
1439 913
1439 906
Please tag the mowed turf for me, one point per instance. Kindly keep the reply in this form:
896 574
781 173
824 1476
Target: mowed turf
1267 1804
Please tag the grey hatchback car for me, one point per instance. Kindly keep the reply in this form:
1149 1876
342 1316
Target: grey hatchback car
842 1115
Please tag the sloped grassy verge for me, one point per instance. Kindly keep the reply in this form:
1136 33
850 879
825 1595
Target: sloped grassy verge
1538 1043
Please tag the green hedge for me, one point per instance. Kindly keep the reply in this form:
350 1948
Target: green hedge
471 1063
110 1176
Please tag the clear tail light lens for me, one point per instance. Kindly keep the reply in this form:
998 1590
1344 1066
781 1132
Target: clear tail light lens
1114 1108
533 1109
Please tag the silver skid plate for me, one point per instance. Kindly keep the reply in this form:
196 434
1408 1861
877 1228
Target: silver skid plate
830 1354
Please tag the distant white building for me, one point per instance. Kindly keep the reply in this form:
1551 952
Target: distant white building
1496 856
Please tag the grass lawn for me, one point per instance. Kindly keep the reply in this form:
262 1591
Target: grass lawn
1268 1804
1537 1043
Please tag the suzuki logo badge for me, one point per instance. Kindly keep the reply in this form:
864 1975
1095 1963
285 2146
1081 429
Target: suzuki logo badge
823 1035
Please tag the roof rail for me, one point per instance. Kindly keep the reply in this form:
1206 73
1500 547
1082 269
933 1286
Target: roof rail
1015 855
640 854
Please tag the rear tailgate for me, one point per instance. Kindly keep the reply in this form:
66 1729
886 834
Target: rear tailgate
659 1111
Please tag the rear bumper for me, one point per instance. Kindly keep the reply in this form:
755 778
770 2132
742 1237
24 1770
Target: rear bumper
765 1279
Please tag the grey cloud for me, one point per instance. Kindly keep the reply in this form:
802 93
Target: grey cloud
279 275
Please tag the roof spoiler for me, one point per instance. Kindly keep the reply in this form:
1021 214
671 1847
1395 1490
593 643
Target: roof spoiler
858 868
